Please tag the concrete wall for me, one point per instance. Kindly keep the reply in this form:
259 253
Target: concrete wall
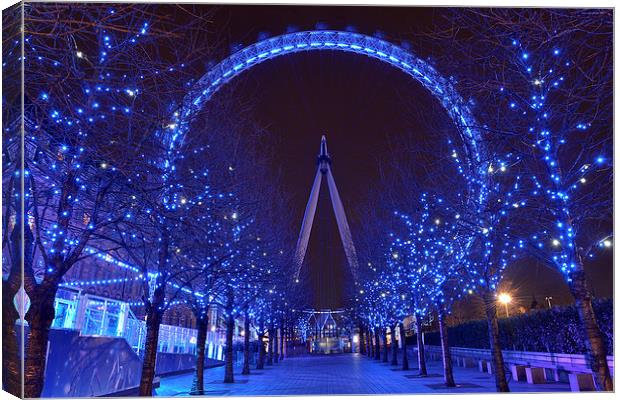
87 366
171 363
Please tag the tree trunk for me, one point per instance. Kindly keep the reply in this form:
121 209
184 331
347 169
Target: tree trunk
289 341
445 348
490 305
394 346
282 341
270 347
371 352
153 321
404 342
229 374
385 346
377 345
202 322
246 344
154 314
12 363
40 316
275 346
260 364
421 356
362 344
592 337
286 341
11 360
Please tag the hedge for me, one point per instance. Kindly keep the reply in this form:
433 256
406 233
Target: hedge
553 330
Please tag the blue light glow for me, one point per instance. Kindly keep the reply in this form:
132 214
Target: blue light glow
369 46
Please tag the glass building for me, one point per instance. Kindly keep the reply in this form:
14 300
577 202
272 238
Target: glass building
94 315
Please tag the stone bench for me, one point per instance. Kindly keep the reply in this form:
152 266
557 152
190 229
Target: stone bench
535 375
532 367
465 362
485 366
518 373
580 382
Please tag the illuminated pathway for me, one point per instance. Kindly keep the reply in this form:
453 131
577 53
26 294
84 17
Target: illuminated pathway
340 374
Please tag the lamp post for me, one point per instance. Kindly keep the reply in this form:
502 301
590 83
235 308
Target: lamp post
505 298
548 299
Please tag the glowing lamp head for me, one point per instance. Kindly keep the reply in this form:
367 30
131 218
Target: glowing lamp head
504 298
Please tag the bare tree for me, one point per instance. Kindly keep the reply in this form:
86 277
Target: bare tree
90 69
542 82
16 240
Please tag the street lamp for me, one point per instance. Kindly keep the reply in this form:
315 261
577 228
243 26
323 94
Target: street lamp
548 299
505 298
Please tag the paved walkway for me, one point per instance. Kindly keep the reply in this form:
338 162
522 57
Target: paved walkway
342 374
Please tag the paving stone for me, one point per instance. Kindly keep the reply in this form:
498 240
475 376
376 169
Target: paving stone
423 377
341 374
442 386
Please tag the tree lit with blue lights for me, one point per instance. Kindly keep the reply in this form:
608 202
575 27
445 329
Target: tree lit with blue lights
129 155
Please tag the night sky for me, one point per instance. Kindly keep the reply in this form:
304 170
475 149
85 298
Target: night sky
361 105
